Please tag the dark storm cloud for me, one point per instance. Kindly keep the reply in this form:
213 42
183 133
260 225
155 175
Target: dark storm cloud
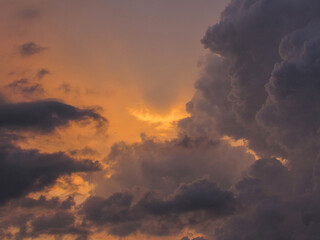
25 171
30 48
276 211
247 38
291 113
264 87
191 204
196 196
44 116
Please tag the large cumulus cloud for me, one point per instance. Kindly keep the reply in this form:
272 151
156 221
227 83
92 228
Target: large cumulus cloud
262 85
247 39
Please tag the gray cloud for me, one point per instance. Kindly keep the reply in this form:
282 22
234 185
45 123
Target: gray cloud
42 73
263 87
43 202
44 116
57 224
293 98
30 48
190 205
26 88
26 171
163 166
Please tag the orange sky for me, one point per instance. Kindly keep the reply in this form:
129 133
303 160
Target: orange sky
136 61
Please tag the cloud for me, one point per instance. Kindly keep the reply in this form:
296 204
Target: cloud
261 84
30 48
44 202
292 103
191 204
57 224
42 73
31 226
232 89
163 166
26 171
44 116
26 88
86 151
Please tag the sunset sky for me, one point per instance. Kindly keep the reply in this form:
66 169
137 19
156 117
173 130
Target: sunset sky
160 119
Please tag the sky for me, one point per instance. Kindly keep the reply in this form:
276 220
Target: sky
173 120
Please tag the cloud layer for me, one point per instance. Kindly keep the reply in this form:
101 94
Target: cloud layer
259 84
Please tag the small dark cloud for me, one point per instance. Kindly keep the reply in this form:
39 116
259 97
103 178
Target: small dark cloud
30 48
26 88
42 73
44 116
67 89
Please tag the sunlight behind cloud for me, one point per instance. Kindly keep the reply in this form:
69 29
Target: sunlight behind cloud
162 122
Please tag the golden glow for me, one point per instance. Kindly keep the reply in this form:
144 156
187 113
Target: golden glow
240 142
161 121
65 186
